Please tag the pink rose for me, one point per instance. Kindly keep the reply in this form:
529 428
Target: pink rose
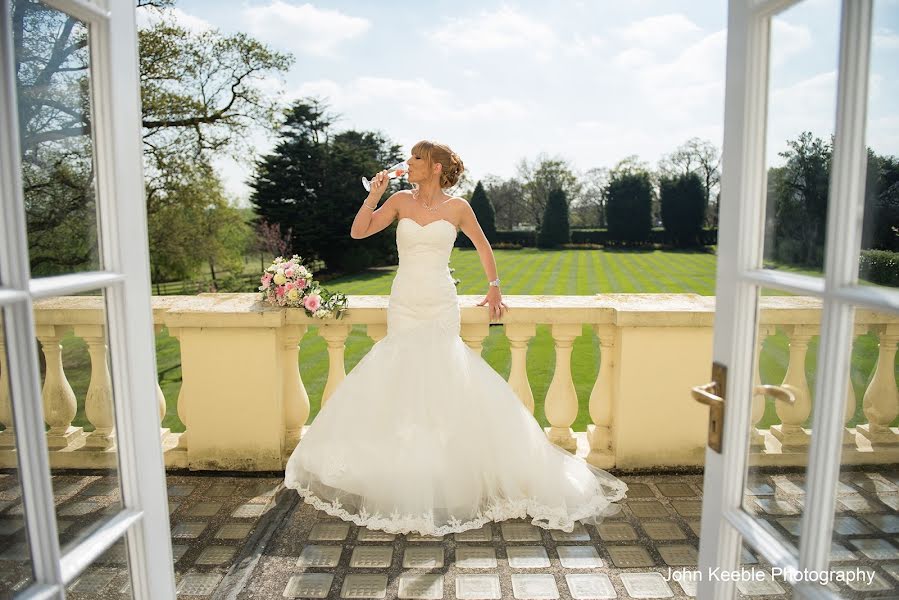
280 291
288 272
266 279
312 302
301 283
289 286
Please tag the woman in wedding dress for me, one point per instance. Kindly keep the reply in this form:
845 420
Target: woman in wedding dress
423 435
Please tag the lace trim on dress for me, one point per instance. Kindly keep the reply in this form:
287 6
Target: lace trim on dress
543 516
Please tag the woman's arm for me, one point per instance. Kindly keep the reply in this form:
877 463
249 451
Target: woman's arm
470 227
369 221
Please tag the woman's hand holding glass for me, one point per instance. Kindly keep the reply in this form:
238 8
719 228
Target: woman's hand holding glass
378 185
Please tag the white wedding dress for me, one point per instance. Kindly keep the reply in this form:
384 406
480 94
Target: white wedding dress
424 436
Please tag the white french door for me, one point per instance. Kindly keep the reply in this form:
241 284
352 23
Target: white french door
745 242
92 107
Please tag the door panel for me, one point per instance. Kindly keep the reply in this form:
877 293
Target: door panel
787 516
73 222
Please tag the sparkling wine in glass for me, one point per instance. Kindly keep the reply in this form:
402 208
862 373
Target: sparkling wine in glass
397 170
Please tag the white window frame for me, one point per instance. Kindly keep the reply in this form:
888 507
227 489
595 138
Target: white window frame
122 226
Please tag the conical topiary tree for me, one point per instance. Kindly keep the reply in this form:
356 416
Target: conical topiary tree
554 231
483 210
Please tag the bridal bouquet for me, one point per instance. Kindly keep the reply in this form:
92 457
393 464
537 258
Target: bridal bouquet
289 283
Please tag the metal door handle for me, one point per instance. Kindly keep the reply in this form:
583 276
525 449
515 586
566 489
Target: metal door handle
780 392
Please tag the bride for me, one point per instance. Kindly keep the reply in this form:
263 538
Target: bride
423 435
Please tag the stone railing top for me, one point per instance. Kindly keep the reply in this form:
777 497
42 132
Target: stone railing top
625 310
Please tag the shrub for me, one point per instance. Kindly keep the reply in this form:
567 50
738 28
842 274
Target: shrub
629 207
683 200
880 267
554 230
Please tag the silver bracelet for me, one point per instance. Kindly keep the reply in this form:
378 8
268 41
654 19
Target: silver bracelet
369 207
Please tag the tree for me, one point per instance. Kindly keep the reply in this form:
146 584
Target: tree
200 94
800 190
881 203
629 200
483 211
507 197
310 184
590 207
554 231
270 240
683 200
194 225
541 176
700 157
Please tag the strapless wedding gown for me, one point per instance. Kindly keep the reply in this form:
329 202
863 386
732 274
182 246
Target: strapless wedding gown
424 436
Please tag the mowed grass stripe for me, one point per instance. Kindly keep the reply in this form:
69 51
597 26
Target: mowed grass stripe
659 266
524 268
694 282
590 273
539 270
619 273
603 283
643 281
649 267
549 277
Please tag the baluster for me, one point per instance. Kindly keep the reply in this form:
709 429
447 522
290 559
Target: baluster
335 335
599 434
756 437
296 400
881 400
790 432
160 397
473 335
98 404
183 400
57 396
561 397
851 400
8 435
518 335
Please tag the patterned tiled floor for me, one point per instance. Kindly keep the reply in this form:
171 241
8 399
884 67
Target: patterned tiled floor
240 537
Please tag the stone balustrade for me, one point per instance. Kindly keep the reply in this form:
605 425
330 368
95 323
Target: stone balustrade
245 406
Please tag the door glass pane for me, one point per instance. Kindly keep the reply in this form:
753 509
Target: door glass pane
15 561
79 410
880 235
108 577
801 115
786 355
54 102
866 519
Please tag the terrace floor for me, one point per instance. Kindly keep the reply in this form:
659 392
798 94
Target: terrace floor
240 536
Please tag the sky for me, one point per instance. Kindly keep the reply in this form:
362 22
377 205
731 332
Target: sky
589 81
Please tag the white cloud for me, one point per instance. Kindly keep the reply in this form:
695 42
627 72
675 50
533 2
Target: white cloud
500 29
303 28
886 39
581 46
412 98
149 17
788 40
662 30
815 94
632 58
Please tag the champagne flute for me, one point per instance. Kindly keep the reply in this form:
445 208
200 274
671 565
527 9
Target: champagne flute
397 170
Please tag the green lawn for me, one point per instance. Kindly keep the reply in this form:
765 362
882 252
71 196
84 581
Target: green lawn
525 271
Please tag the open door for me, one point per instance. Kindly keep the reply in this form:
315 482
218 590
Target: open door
86 96
739 507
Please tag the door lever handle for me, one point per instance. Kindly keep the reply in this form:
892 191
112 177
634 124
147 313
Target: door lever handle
780 392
